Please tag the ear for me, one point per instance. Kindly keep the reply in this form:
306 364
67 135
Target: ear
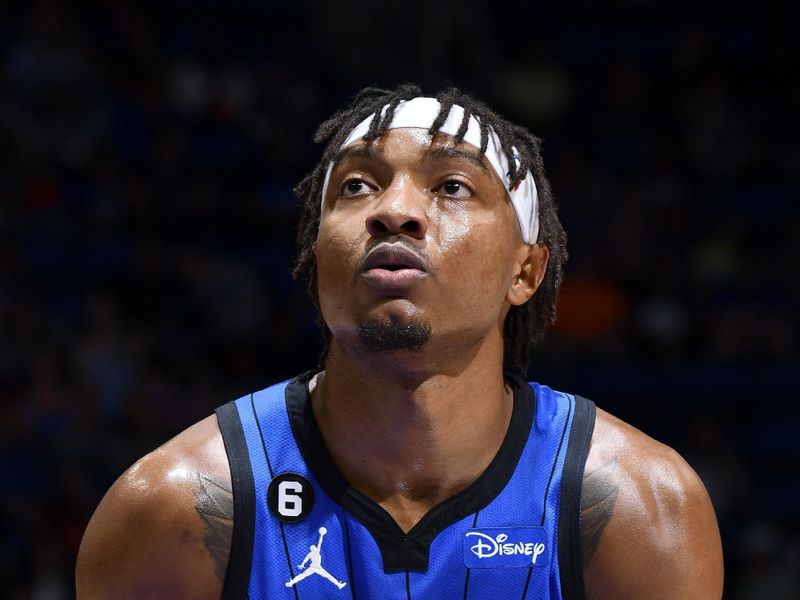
529 270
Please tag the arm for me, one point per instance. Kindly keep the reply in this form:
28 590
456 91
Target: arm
648 527
164 528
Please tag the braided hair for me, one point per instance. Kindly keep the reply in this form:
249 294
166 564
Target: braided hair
525 325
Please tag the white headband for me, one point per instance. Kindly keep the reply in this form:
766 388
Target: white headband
421 112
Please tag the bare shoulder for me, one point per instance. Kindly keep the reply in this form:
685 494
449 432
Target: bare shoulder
164 528
648 529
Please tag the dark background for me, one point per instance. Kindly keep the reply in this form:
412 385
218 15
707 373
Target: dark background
147 157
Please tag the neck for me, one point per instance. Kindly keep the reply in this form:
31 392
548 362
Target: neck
411 438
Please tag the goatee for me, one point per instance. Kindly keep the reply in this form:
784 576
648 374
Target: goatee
383 335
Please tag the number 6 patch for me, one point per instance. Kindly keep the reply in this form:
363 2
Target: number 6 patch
290 497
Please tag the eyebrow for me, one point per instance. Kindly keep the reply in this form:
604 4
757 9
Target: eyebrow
446 152
362 151
440 153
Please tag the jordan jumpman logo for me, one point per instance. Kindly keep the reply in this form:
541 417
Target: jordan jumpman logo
315 557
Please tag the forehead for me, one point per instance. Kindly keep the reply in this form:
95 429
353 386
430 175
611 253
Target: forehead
417 145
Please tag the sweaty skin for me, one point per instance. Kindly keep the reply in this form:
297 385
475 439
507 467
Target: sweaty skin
395 422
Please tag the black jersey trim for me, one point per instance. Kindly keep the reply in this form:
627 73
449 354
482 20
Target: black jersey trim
237 574
569 512
410 551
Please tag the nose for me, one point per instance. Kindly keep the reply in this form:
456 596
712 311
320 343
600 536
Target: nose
400 210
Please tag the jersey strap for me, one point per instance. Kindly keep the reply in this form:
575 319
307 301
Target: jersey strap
237 575
569 512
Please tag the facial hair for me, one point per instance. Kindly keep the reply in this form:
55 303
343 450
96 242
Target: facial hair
384 336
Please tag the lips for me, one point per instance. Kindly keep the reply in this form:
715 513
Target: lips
393 257
393 266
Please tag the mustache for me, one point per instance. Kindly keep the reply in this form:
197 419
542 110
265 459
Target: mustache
399 240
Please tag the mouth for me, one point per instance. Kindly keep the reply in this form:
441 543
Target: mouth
392 267
393 258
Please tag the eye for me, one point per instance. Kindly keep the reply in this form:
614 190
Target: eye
354 187
455 188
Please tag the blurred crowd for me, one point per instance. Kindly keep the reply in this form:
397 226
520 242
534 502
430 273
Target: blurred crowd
147 158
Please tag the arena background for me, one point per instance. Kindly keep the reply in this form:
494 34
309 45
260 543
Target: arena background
147 157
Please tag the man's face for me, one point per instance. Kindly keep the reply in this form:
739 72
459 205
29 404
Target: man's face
416 239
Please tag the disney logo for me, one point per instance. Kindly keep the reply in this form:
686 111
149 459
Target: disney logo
487 546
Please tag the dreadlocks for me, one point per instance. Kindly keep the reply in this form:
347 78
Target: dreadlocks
525 325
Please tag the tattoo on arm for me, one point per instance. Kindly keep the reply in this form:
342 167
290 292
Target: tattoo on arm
598 498
214 503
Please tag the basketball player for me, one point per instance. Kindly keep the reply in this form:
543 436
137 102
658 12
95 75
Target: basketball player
432 248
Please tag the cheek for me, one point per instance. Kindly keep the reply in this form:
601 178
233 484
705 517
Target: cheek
475 244
336 252
455 225
340 248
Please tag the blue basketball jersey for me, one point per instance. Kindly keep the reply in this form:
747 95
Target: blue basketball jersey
301 532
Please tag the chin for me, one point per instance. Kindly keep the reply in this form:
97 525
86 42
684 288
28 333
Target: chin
389 336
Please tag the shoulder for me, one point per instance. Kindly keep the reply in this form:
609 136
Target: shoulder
648 529
163 529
